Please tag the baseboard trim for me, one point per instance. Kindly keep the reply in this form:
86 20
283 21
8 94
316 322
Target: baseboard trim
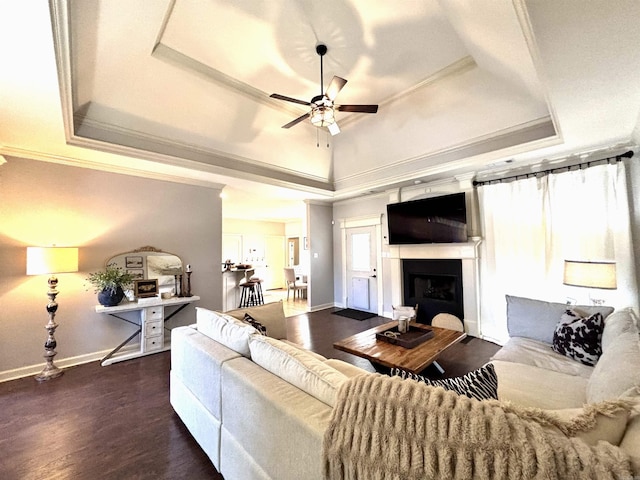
321 307
62 363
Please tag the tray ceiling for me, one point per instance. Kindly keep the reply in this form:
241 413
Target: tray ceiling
462 86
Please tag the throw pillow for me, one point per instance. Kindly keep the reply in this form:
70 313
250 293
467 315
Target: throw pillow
262 330
271 315
579 337
481 384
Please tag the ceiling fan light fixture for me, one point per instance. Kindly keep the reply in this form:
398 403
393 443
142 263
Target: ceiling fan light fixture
323 109
322 116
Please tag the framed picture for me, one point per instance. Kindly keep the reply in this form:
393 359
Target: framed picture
138 273
133 262
146 288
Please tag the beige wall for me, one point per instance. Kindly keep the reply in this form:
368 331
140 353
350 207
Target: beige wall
42 204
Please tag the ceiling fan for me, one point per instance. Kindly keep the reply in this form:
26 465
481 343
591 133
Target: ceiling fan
322 113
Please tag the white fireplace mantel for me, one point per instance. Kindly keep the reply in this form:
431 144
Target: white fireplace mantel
467 252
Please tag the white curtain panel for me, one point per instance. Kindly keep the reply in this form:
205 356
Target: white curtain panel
531 226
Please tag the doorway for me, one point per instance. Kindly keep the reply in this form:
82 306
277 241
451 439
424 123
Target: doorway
293 251
361 268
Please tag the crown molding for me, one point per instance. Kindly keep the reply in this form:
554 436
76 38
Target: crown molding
106 167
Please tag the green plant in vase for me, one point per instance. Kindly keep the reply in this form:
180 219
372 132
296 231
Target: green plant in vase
110 284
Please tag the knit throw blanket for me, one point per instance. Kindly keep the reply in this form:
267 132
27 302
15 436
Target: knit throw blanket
386 428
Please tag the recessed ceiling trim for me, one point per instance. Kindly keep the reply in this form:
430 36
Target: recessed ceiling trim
186 155
533 135
539 129
526 27
456 68
189 64
286 181
60 28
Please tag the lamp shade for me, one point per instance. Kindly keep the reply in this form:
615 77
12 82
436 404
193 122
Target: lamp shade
44 260
590 274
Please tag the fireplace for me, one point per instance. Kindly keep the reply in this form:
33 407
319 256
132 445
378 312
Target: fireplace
435 286
466 253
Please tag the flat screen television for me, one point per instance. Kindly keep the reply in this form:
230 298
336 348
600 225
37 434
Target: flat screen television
440 219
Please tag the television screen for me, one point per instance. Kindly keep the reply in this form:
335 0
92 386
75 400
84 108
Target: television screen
430 220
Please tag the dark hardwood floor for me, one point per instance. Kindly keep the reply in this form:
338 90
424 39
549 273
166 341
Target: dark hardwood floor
116 422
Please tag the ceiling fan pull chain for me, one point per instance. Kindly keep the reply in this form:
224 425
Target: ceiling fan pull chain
327 132
317 138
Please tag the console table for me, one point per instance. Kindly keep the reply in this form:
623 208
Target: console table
151 316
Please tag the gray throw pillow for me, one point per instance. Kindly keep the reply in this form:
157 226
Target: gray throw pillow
537 319
481 384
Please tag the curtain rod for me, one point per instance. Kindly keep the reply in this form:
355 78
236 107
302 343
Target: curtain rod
578 166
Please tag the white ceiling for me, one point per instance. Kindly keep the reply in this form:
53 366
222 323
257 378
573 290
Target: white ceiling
180 90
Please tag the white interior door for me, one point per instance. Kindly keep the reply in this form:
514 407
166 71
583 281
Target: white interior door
362 269
274 262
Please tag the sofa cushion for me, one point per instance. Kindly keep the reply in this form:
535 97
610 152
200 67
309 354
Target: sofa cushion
481 384
346 368
228 331
579 337
540 354
532 386
537 319
619 322
308 352
271 315
297 367
618 369
604 421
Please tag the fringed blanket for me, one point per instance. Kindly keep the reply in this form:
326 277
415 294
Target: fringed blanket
386 428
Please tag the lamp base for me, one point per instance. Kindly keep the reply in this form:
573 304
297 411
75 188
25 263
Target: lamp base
49 372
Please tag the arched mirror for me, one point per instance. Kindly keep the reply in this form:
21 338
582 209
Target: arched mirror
150 263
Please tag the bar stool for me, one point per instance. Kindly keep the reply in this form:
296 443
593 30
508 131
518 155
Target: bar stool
258 289
248 297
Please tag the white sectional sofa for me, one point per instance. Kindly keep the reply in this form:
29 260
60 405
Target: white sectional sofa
253 424
260 407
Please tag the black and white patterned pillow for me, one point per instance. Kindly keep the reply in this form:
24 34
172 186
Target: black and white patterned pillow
262 330
481 384
579 337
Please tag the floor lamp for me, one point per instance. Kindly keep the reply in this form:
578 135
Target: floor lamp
590 275
51 260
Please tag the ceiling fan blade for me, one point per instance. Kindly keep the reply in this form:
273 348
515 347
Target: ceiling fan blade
357 108
334 87
297 120
288 99
334 129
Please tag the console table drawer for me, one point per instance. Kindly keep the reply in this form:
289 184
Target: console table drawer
153 343
154 313
153 328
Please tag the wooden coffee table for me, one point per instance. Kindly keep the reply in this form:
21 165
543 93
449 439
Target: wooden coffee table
366 345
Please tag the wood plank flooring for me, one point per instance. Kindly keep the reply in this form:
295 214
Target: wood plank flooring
116 422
